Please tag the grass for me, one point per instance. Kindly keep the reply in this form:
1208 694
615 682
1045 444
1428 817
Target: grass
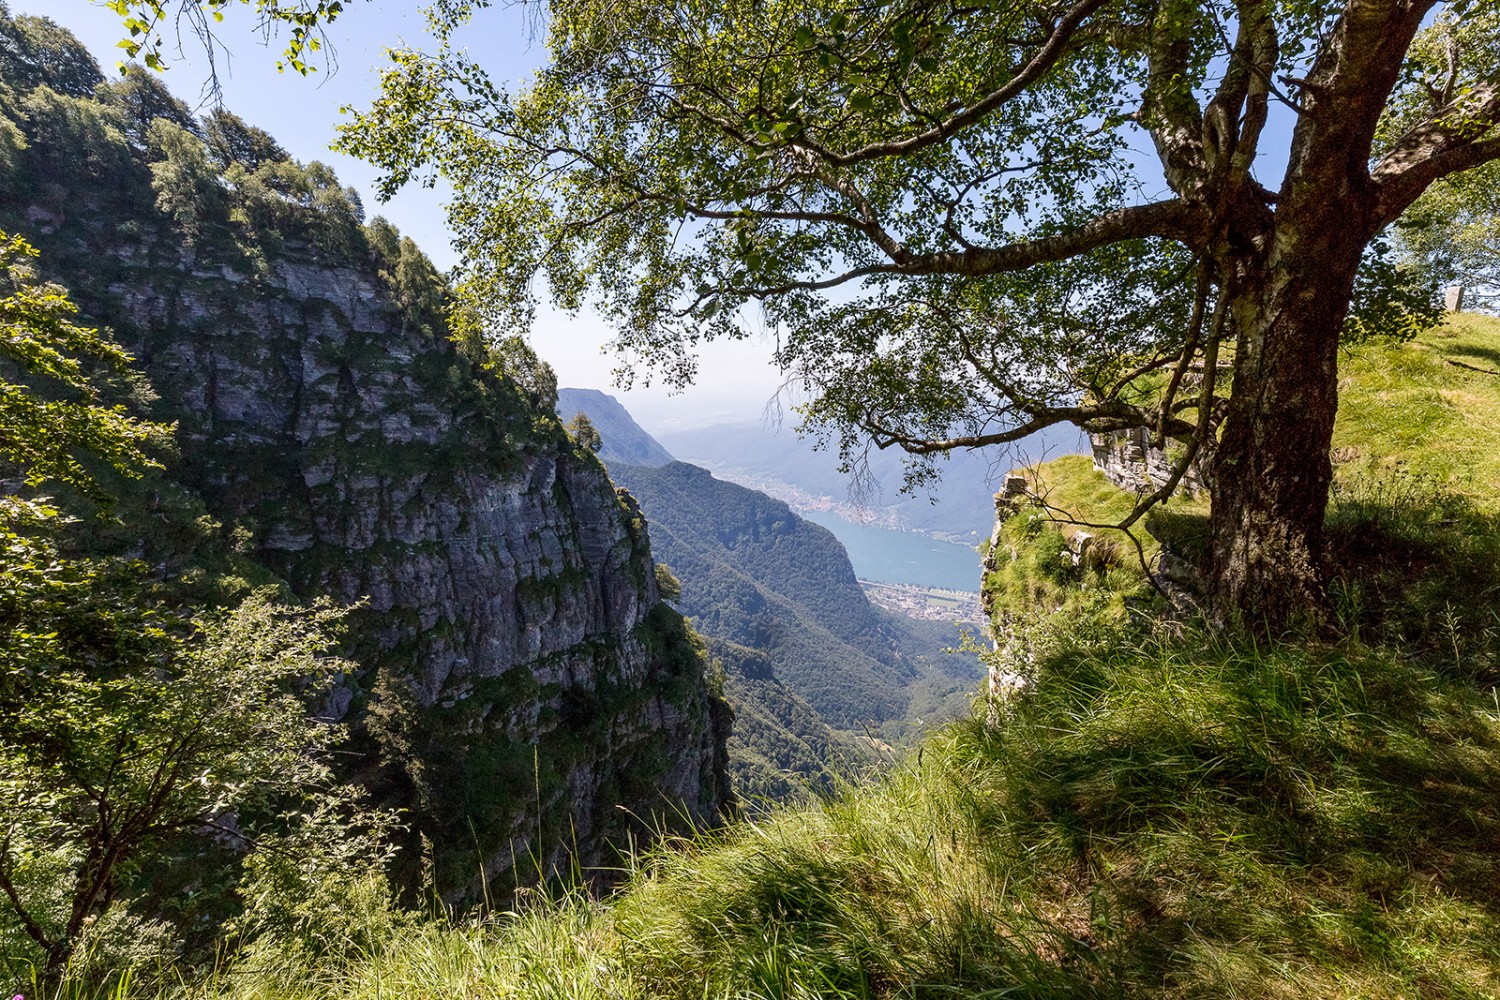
1171 812
1409 406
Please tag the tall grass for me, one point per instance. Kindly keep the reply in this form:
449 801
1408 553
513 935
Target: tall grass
1173 814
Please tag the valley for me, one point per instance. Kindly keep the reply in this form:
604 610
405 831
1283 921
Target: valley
347 652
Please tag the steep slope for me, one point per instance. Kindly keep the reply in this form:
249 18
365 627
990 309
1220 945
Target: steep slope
625 442
757 575
812 668
523 694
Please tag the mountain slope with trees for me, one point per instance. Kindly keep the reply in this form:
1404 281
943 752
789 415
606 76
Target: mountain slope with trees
508 677
622 441
777 599
812 668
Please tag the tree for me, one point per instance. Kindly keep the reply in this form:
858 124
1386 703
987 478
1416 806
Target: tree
944 213
120 735
146 21
1455 235
584 433
52 407
187 185
231 140
139 99
36 51
124 724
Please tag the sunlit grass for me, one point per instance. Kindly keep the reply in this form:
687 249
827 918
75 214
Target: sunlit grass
1168 814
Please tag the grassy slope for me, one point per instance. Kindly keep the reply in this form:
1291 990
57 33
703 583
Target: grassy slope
1410 406
1170 813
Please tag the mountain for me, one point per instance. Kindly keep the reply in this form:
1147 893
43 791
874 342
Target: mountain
958 508
625 443
522 694
756 574
814 671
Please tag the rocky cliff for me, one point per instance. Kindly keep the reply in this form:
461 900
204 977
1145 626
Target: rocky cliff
524 693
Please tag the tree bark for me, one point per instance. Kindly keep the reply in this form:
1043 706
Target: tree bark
1272 470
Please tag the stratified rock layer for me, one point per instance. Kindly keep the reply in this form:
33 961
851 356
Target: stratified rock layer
524 693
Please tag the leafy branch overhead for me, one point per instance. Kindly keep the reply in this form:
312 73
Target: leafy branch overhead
951 216
148 22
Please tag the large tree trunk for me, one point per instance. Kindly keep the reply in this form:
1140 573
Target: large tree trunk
1272 471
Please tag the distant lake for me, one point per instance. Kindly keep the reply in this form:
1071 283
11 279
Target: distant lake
902 556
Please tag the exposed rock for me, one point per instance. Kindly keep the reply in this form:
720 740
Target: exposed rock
1130 461
534 701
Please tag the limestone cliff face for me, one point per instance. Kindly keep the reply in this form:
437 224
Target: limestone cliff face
524 693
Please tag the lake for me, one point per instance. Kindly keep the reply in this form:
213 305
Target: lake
902 556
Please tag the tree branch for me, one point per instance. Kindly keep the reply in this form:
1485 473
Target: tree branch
1051 51
1460 135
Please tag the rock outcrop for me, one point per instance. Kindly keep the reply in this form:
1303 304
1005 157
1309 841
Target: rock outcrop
524 693
1132 462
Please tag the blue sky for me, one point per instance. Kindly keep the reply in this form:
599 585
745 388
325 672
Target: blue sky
736 380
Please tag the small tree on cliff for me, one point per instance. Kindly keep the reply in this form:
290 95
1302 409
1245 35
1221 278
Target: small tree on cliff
945 213
584 433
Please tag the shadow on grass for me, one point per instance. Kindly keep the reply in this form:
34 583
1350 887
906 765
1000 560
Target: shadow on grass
1412 564
1276 815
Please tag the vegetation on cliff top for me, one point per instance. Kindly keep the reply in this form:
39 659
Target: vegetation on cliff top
1170 811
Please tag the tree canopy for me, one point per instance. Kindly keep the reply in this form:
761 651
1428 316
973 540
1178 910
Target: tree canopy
53 411
964 223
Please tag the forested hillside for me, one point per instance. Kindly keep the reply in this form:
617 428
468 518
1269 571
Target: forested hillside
818 676
623 441
777 599
349 468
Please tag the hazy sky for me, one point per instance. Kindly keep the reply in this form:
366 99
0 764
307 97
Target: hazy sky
735 380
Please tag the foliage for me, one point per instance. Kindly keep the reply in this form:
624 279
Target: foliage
1452 233
36 52
413 282
123 732
667 583
139 99
72 139
319 892
231 140
51 403
187 186
584 433
283 199
147 20
515 359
